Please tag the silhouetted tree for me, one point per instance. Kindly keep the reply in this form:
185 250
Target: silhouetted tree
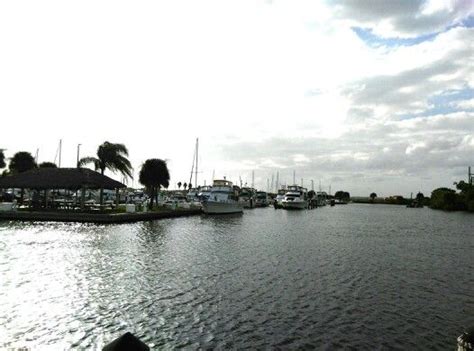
373 196
21 162
179 185
185 186
47 165
2 159
154 174
110 156
190 186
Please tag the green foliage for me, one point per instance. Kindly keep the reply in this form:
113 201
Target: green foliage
445 199
110 156
47 165
154 174
373 196
2 159
21 162
342 195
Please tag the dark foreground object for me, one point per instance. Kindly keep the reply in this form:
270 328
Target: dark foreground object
101 218
127 342
466 340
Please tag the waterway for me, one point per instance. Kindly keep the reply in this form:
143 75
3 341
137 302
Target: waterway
355 276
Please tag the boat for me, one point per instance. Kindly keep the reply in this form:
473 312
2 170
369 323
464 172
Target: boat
222 200
261 199
204 192
295 198
279 198
247 197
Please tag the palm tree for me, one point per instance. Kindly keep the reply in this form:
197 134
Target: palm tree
21 162
179 185
110 156
154 174
2 159
185 186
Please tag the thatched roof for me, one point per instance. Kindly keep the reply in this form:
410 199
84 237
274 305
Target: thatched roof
59 178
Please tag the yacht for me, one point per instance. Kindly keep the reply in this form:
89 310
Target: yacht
204 192
247 197
222 199
277 202
295 198
261 199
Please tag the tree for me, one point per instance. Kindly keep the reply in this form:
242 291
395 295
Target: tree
185 186
190 186
154 174
110 156
21 162
179 185
373 196
47 165
2 159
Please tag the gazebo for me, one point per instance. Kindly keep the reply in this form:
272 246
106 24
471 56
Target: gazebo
61 178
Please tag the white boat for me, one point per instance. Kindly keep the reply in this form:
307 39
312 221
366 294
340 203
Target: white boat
277 202
222 199
295 198
204 192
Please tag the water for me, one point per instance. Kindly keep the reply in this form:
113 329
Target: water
355 276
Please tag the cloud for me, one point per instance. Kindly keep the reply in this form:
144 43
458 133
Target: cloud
404 18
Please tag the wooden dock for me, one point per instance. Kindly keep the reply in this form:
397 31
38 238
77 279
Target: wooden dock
99 218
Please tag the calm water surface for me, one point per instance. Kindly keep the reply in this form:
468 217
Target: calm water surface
355 276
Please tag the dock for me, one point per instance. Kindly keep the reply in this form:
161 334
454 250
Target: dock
98 218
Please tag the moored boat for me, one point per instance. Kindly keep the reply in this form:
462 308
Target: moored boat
222 199
295 198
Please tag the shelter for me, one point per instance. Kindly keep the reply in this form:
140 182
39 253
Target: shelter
60 178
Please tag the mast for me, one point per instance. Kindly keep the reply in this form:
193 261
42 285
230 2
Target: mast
197 160
277 181
253 178
60 151
36 156
294 177
312 184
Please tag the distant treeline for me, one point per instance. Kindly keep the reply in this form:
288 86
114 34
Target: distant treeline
450 200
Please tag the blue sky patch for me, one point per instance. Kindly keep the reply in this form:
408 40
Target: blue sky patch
443 103
375 41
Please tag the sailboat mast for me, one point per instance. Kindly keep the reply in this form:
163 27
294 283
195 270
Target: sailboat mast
60 152
197 160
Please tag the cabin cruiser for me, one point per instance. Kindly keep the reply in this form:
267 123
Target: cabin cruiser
261 199
176 200
192 194
279 198
322 197
247 197
204 192
295 198
223 199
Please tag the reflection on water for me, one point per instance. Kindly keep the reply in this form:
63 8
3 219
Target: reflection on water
349 276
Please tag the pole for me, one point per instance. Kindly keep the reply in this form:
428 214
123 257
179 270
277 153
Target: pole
197 160
469 177
312 184
294 177
253 178
60 151
36 157
78 148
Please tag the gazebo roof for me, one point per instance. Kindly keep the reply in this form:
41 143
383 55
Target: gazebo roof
59 178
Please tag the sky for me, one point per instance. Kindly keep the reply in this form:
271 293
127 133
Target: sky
357 95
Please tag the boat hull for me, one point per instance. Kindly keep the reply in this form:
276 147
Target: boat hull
294 205
210 207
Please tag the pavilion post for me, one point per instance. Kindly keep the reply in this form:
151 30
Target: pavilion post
83 197
117 198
